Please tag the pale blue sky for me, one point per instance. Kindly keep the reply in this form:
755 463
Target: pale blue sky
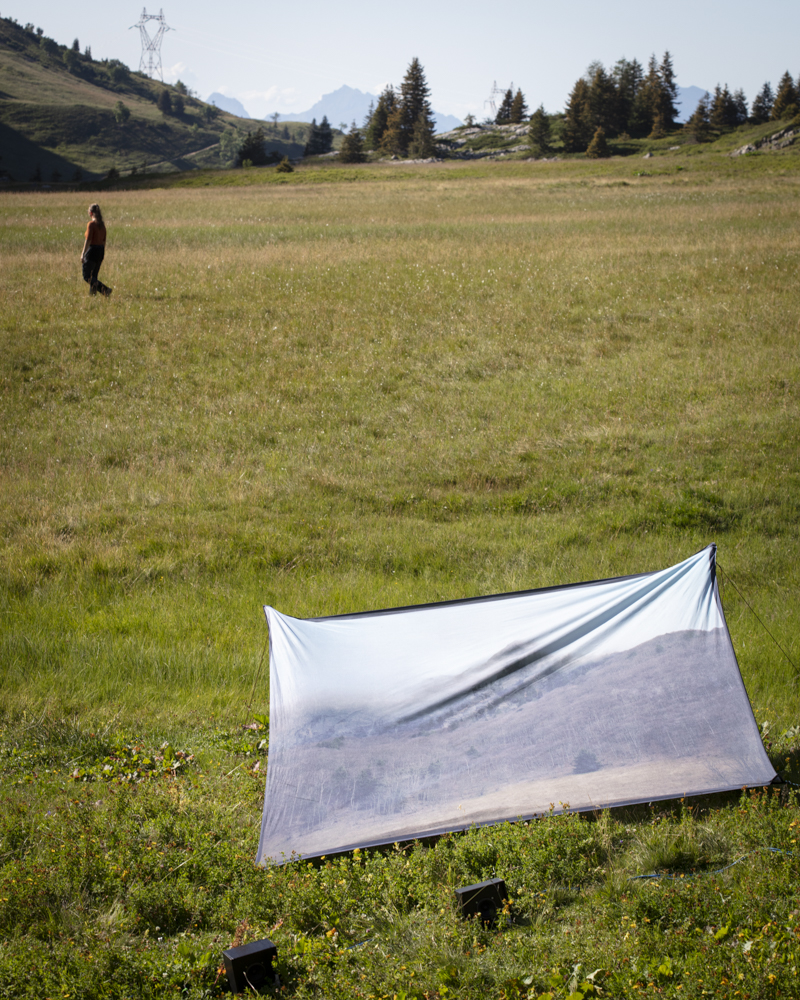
284 56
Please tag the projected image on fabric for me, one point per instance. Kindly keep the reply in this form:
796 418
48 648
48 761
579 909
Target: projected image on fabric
403 723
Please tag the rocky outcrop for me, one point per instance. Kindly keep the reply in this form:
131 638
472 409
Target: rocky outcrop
405 163
459 136
780 140
461 143
480 154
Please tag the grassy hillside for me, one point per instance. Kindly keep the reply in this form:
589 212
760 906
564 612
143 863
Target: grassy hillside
364 388
58 120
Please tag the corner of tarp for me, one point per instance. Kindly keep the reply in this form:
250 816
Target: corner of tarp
712 560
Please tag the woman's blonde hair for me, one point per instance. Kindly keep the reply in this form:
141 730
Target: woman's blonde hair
95 210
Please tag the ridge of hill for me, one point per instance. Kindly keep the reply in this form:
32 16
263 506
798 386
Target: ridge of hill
65 117
510 141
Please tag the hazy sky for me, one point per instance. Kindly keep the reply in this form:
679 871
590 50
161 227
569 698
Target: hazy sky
284 56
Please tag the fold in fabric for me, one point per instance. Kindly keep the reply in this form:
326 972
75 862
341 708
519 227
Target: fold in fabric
409 722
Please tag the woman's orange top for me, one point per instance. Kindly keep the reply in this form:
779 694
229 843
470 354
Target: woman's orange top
95 234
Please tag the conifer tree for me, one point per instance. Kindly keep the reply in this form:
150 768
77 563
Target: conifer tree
379 119
519 109
602 100
647 99
739 107
539 132
392 141
164 103
320 138
252 149
504 111
403 120
723 109
699 124
576 129
598 148
669 92
415 94
325 134
311 147
658 131
72 60
352 149
422 144
640 119
627 78
369 114
656 98
786 104
761 109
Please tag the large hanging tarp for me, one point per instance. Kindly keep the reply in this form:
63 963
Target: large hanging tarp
408 722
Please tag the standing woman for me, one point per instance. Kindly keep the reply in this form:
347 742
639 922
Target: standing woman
94 249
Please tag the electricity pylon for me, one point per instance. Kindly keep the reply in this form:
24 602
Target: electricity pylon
150 63
496 92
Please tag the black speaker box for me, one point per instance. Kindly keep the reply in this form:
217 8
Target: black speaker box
484 900
251 965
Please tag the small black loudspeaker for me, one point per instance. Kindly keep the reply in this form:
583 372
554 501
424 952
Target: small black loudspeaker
251 965
484 900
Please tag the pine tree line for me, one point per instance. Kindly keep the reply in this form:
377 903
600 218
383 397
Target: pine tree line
725 110
352 149
320 138
622 101
401 124
784 104
513 110
627 101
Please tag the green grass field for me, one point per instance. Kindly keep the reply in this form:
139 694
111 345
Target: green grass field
358 389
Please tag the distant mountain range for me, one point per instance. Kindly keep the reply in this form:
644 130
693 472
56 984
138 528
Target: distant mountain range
347 105
688 99
229 104
341 107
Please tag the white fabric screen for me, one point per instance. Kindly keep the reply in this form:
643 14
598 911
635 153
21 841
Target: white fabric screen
409 722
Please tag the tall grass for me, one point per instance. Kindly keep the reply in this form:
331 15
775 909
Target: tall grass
400 386
342 397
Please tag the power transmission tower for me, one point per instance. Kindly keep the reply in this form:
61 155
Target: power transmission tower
496 92
150 63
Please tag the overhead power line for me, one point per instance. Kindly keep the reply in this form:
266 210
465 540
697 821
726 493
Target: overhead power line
150 63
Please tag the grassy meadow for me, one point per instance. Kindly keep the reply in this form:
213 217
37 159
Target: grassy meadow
359 389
